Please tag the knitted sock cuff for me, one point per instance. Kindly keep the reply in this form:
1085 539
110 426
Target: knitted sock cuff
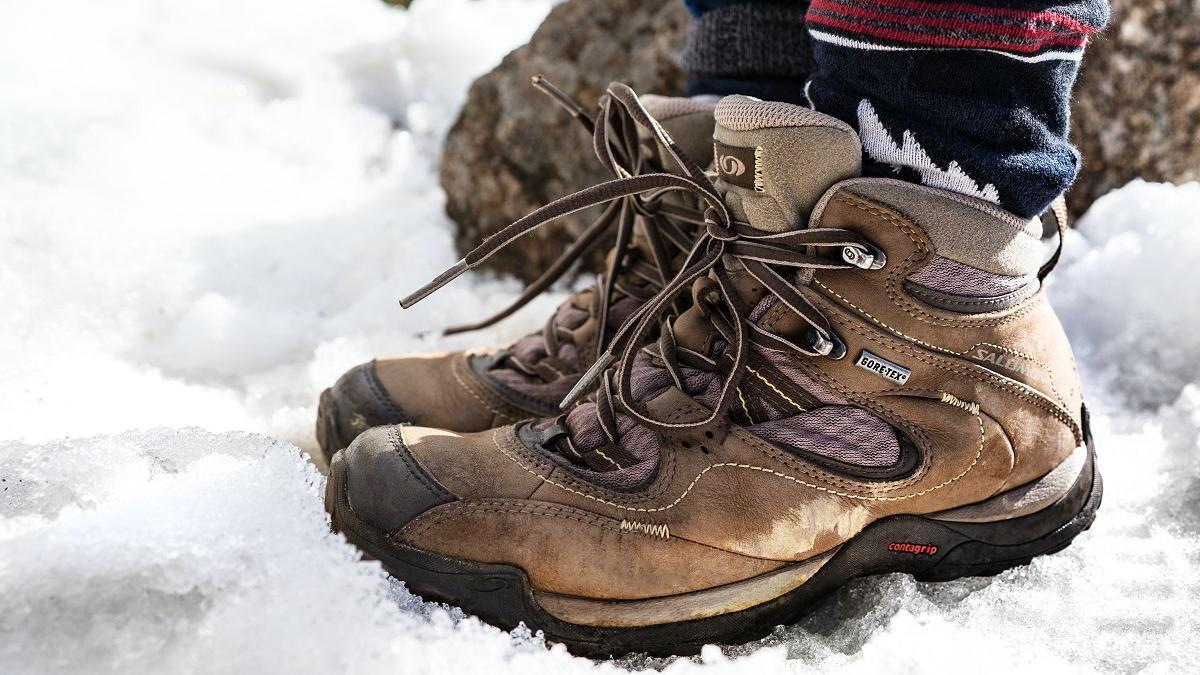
750 40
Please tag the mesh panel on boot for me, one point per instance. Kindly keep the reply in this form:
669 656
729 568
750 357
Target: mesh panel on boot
531 349
836 430
950 276
845 433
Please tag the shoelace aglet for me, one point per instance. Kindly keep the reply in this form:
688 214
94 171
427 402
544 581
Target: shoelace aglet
440 280
585 382
560 97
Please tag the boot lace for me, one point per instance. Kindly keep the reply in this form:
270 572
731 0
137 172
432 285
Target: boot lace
634 273
723 245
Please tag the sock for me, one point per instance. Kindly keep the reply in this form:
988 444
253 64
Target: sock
972 97
753 47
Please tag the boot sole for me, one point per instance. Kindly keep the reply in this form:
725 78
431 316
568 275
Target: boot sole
926 548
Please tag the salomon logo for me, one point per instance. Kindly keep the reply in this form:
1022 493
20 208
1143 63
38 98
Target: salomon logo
1008 362
739 166
731 165
882 367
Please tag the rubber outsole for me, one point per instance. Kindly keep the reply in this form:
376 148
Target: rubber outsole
926 548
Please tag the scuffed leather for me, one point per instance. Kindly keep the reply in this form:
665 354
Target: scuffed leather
384 484
363 402
442 390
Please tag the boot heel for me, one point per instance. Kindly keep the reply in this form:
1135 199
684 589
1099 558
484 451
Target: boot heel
933 549
991 548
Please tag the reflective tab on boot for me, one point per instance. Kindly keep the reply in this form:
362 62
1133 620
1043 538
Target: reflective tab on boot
882 367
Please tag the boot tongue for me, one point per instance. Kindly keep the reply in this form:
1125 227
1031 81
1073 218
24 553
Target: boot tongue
689 121
775 160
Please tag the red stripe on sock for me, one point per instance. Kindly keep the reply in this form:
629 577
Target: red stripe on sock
1057 18
986 29
942 40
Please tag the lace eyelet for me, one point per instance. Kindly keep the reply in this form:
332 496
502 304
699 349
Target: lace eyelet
839 348
864 257
829 346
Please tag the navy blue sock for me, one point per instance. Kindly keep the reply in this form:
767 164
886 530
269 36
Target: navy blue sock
968 96
751 47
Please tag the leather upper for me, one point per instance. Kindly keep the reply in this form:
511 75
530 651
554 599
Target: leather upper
725 505
443 390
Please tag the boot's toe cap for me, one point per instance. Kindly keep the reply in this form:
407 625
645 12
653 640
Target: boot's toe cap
355 403
385 485
364 400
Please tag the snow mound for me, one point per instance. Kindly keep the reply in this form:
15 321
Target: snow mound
211 209
170 551
178 551
209 212
1127 291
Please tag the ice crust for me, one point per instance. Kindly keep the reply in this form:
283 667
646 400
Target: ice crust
208 213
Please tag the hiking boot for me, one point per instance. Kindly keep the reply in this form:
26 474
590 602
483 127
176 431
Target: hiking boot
484 388
870 380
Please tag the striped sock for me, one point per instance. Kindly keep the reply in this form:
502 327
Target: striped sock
969 97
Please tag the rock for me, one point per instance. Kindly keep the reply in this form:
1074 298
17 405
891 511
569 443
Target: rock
1137 105
513 149
1136 112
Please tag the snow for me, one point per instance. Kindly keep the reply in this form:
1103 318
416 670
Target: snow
209 212
211 209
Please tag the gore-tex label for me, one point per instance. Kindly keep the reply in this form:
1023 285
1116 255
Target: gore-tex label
882 367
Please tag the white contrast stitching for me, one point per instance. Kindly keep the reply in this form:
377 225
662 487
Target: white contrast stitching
600 452
474 394
653 529
1059 411
745 408
776 389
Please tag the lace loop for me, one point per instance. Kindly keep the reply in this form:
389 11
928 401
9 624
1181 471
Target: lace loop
722 244
619 148
720 232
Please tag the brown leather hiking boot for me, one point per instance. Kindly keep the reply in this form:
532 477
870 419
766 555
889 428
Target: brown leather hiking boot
481 389
870 380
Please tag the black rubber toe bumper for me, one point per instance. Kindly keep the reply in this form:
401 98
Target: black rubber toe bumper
385 486
356 402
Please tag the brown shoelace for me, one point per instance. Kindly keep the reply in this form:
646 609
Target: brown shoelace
723 242
632 271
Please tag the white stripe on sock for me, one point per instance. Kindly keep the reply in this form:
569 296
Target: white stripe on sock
871 46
